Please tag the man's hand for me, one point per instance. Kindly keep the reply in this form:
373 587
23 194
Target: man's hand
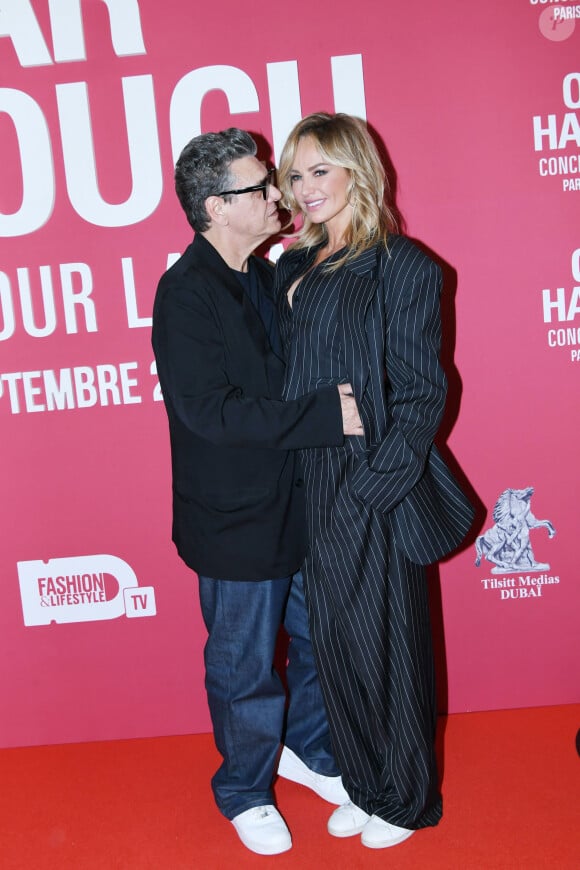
351 421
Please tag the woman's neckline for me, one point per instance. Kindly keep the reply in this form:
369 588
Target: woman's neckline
319 262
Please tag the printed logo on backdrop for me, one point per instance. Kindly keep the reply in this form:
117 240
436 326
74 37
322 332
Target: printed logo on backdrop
557 21
556 137
561 310
82 589
508 546
65 298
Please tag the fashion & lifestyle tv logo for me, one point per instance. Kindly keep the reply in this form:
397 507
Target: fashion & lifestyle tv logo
82 589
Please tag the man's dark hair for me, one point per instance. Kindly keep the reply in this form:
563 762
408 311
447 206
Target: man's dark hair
203 169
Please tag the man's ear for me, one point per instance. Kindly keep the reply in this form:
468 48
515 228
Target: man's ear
216 209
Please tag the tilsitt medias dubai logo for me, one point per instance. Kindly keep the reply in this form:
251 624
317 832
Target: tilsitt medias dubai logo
507 545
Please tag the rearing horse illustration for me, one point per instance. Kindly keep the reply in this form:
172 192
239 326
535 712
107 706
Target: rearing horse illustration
507 543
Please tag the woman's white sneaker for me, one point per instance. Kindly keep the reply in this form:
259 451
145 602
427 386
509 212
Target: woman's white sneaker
347 820
263 830
378 834
329 788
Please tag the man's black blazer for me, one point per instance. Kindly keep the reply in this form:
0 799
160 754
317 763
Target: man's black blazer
238 502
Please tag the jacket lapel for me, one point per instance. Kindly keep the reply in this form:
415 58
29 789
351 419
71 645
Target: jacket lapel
361 336
358 286
218 274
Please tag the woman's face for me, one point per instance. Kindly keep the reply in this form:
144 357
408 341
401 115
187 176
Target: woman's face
320 188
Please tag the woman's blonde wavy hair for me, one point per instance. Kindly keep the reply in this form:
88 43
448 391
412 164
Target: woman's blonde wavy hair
343 140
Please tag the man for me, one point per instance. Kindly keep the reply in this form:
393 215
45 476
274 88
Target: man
238 511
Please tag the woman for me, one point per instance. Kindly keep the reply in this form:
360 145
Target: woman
358 303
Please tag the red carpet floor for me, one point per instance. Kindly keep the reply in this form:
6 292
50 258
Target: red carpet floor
511 787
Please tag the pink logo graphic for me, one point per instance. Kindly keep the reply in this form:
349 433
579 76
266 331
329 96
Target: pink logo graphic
556 23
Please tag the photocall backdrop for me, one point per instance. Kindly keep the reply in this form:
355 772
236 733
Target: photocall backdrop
478 109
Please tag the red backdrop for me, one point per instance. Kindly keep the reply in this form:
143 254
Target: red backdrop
478 109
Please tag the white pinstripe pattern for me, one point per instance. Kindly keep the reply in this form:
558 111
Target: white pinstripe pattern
368 601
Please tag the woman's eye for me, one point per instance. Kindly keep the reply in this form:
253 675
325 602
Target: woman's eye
294 179
320 172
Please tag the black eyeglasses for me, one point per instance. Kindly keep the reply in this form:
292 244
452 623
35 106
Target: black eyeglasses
264 186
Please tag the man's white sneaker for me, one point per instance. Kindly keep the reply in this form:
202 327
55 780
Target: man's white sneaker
263 830
329 788
378 834
347 820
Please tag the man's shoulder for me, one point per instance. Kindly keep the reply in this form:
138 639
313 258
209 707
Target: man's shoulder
185 284
198 262
179 267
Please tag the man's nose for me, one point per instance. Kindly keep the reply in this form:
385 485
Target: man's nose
274 194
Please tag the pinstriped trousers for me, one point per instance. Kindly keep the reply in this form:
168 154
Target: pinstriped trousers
371 635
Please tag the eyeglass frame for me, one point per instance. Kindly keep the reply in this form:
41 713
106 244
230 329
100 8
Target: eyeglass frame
264 186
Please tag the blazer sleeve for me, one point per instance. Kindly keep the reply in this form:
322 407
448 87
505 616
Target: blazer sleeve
191 365
415 382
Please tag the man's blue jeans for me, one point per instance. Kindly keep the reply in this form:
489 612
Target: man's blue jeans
247 700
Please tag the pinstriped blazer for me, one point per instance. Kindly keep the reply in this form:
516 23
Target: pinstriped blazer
390 327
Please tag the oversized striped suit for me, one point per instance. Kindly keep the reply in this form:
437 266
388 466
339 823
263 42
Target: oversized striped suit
379 508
